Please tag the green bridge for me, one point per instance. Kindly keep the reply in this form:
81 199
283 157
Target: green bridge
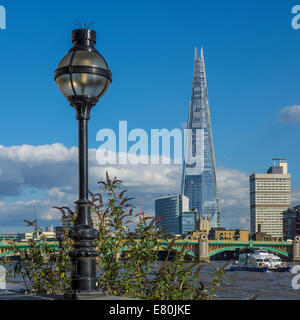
7 249
202 249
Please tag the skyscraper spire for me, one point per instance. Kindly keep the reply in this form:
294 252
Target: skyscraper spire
202 56
196 54
199 172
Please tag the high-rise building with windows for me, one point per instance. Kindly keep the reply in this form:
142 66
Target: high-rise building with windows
173 214
199 181
270 195
291 223
188 222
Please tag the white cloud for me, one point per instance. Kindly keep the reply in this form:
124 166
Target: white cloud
59 193
295 198
234 196
290 114
53 170
13 213
40 167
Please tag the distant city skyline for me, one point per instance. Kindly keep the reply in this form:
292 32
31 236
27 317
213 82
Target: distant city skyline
252 54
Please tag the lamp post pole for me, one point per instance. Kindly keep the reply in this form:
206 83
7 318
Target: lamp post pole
83 77
83 257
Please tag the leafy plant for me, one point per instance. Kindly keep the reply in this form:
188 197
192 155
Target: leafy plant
128 262
45 269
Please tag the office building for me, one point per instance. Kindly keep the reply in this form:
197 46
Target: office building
100 221
49 229
262 236
48 236
229 235
188 221
173 214
199 181
10 237
291 223
270 195
96 220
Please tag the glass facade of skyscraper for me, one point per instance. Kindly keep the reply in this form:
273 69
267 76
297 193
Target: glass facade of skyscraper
168 210
188 221
199 181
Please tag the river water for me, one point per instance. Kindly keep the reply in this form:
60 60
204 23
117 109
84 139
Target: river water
237 285
244 285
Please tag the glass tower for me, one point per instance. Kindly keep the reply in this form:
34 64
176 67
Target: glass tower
169 210
199 181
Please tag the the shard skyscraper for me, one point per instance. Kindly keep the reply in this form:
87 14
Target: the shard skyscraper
199 181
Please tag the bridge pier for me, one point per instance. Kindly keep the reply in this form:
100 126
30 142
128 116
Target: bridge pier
202 253
296 249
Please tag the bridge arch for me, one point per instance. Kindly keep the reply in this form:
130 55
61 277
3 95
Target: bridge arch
188 252
215 252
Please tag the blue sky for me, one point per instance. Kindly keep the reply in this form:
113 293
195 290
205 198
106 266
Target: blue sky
252 64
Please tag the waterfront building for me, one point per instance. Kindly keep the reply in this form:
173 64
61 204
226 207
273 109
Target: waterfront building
202 227
10 236
96 220
199 181
262 236
204 223
230 235
48 236
270 195
100 221
173 210
291 223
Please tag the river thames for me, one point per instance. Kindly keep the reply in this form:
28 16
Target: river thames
236 285
245 285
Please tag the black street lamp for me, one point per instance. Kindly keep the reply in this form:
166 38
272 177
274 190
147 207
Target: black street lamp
83 77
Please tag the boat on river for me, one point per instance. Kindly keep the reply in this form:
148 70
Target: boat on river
259 261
